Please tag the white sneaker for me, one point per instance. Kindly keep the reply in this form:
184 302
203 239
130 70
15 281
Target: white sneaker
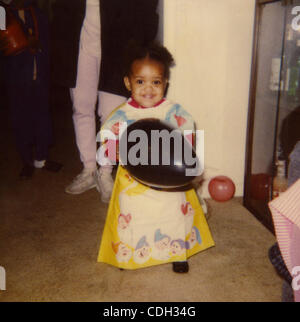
104 184
83 182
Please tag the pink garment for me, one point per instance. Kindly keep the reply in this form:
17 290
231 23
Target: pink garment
286 217
84 97
90 36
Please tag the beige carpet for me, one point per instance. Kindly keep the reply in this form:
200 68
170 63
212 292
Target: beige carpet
49 242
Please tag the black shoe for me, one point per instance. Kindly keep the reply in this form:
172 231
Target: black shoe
52 166
180 267
279 264
26 172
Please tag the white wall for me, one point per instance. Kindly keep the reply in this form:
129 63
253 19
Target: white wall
211 41
160 11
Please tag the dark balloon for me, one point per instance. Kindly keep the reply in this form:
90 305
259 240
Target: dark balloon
158 156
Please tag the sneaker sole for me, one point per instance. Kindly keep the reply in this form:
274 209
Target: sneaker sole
81 191
105 200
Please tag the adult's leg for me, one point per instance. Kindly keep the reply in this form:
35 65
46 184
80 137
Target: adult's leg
21 114
84 97
42 120
42 127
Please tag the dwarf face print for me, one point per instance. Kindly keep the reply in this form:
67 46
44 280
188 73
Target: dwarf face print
163 243
187 209
124 221
142 251
190 209
177 247
194 237
142 255
123 252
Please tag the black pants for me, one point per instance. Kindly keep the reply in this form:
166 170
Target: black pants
31 122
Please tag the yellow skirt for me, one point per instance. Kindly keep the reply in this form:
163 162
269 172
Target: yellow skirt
146 227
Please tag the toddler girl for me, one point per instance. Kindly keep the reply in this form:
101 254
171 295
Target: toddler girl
150 213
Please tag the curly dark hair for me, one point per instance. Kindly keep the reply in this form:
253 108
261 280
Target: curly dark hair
153 50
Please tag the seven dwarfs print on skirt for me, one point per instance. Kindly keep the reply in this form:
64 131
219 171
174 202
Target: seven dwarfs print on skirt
146 227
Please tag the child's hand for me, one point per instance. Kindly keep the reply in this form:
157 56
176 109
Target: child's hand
198 180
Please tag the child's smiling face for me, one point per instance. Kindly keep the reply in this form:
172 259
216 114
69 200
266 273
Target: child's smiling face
146 82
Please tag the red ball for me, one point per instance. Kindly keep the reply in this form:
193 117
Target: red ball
221 188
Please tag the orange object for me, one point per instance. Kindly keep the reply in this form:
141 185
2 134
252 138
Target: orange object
280 182
14 37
